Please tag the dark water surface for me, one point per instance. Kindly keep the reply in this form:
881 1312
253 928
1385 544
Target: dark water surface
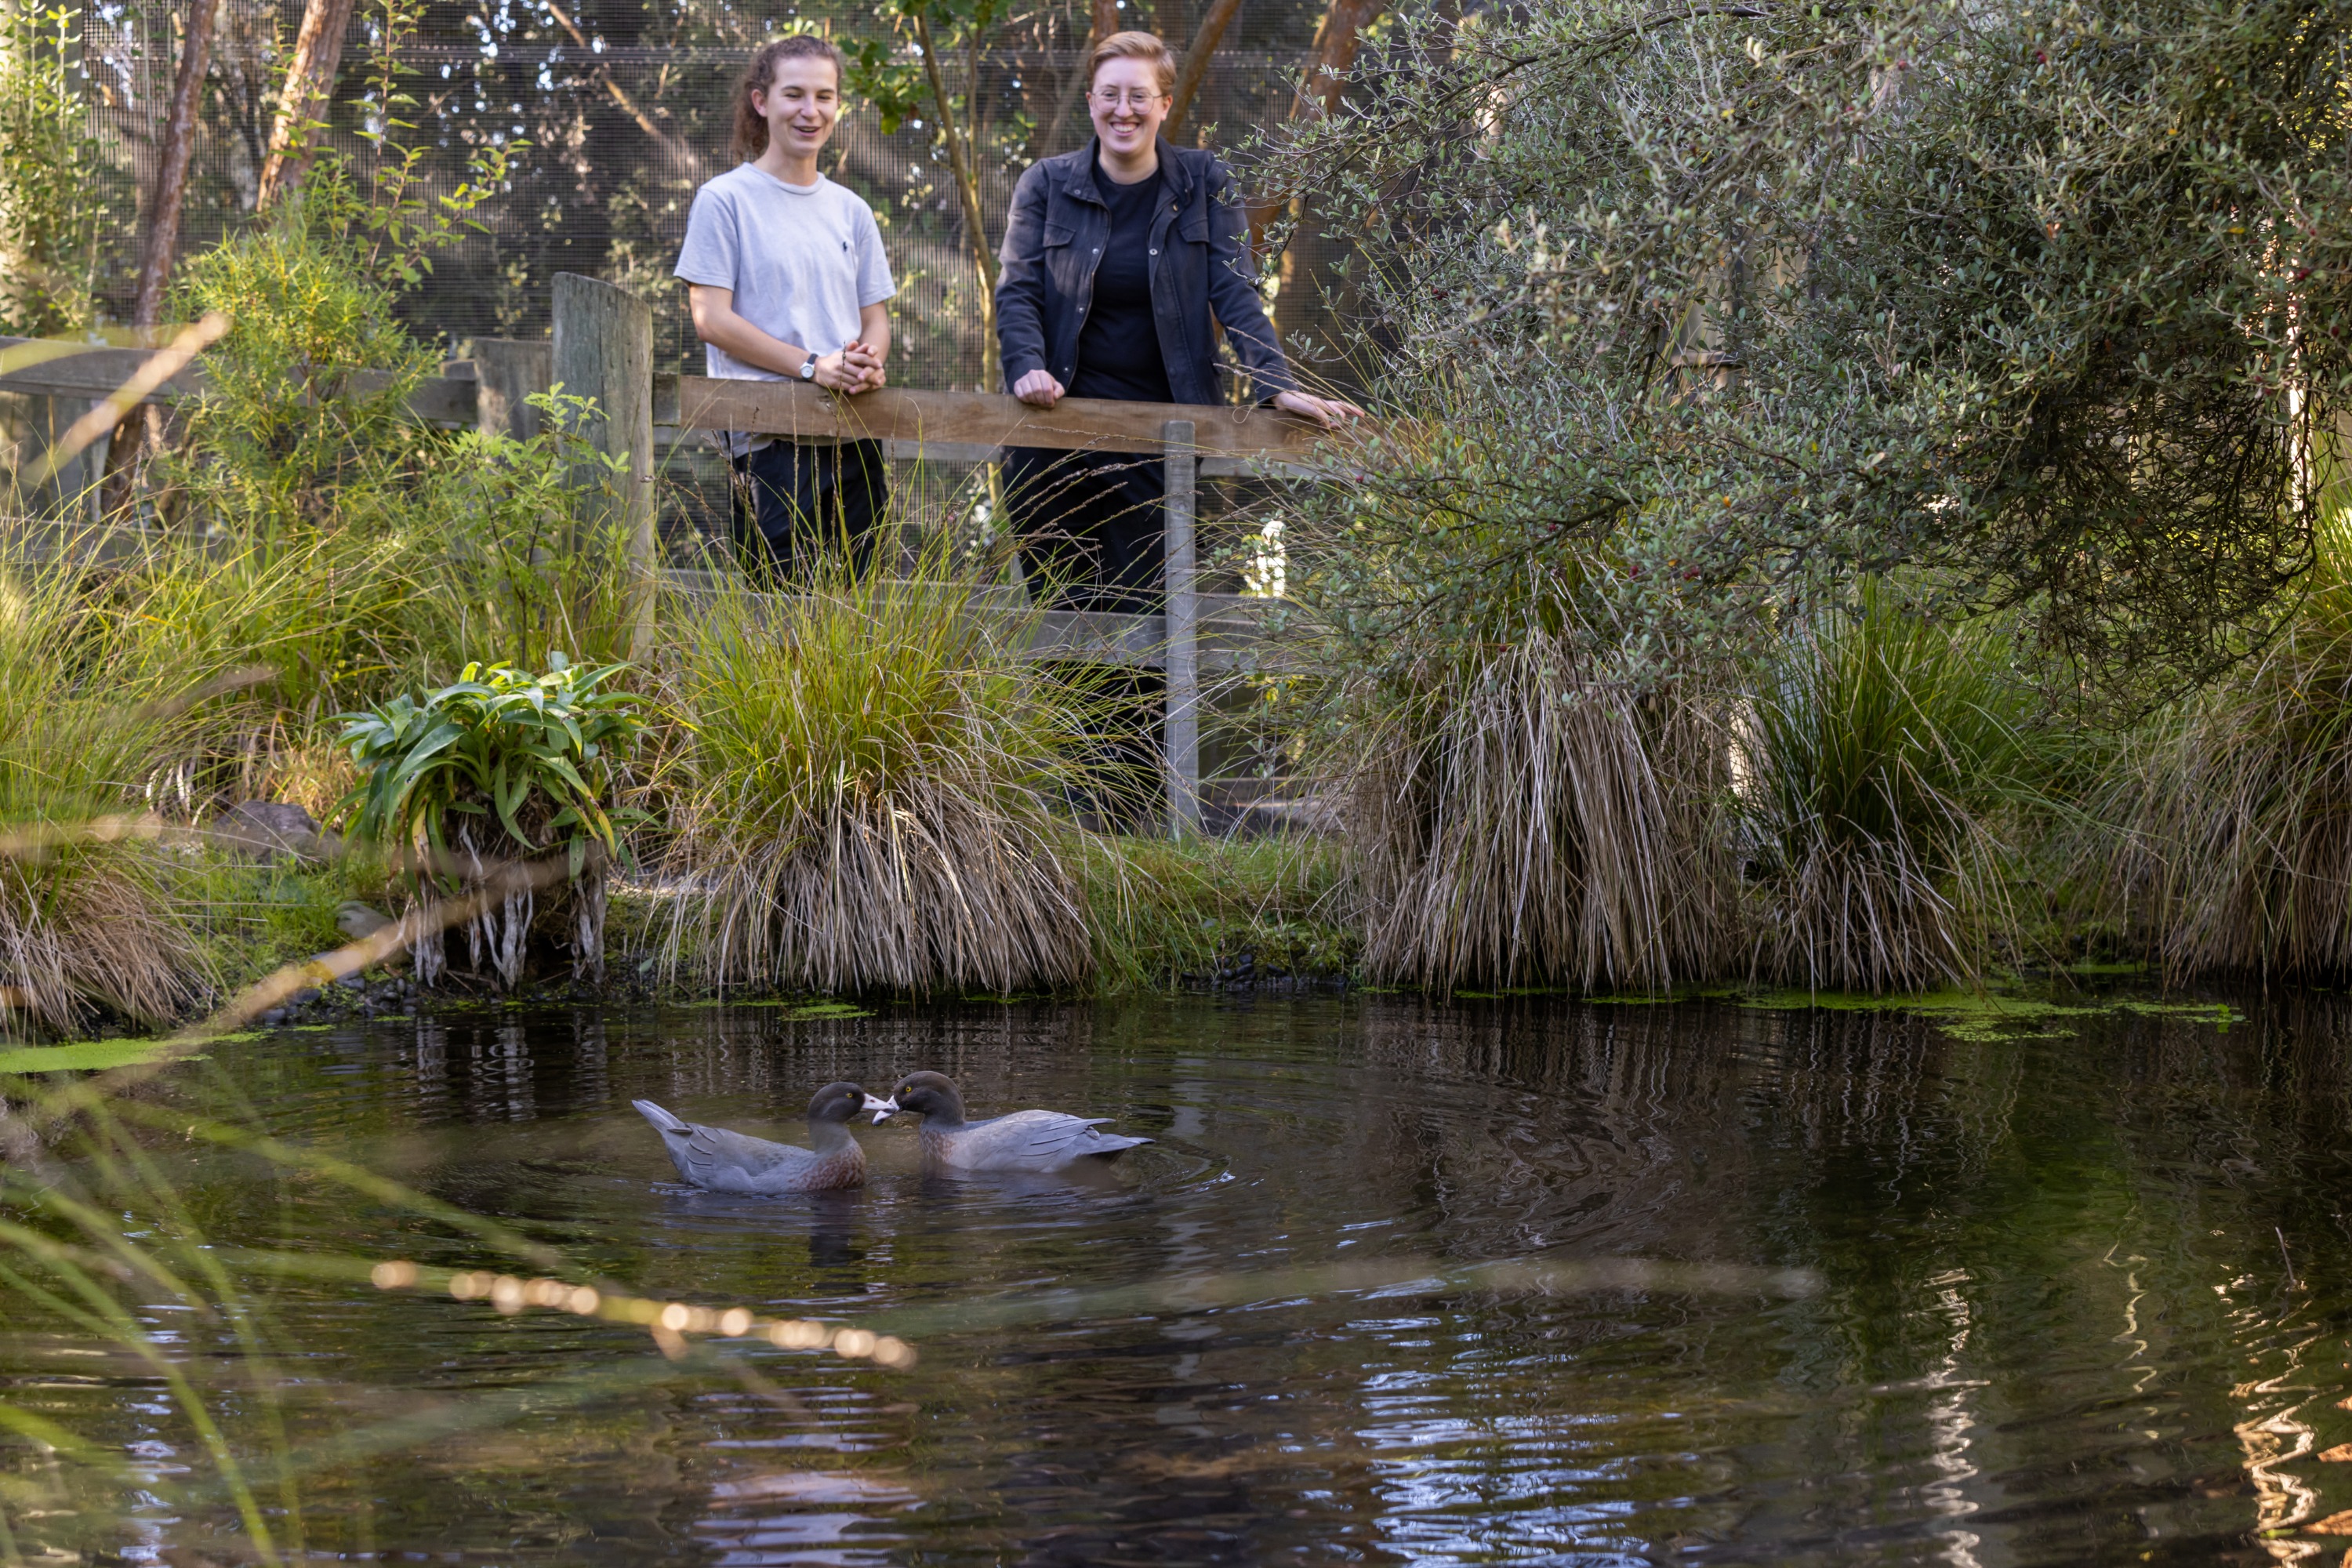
2078 1298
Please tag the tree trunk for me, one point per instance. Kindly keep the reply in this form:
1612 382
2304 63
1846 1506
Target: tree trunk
1321 86
1212 32
138 430
967 179
309 87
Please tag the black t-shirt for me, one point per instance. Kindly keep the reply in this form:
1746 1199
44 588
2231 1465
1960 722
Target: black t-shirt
1118 347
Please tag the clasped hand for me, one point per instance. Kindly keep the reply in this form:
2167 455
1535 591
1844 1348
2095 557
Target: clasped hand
853 369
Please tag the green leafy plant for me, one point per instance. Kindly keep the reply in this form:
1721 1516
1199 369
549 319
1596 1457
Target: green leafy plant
537 556
303 423
500 765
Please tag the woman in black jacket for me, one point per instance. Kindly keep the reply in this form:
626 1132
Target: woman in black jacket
1118 262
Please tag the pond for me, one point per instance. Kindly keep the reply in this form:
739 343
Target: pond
1505 1281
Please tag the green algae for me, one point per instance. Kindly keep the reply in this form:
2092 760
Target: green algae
1982 1016
790 1007
88 1056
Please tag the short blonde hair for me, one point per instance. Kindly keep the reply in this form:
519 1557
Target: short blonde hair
1135 47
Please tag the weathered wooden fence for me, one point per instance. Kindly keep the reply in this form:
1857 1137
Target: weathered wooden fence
602 348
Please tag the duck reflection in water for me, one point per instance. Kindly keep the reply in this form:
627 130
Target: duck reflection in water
832 1240
1025 1141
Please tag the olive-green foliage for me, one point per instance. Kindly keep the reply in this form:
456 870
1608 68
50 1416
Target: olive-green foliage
1731 304
53 189
349 547
303 422
1885 773
860 801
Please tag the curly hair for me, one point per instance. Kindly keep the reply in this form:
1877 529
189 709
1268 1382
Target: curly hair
750 126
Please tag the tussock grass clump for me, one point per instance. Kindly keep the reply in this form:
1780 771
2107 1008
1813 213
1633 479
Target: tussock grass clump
1878 756
858 804
1523 820
90 710
2234 854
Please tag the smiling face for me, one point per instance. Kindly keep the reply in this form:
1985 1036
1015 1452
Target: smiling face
799 103
1128 103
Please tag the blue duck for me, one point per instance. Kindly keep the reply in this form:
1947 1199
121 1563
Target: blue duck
727 1161
1034 1141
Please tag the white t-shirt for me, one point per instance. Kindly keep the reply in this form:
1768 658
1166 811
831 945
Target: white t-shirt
802 260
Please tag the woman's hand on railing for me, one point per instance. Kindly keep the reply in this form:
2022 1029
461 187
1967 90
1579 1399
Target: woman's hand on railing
1328 411
1038 389
854 369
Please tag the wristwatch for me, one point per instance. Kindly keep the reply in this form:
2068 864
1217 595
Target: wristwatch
808 368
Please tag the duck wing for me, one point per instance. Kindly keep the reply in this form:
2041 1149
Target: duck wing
727 1161
1035 1140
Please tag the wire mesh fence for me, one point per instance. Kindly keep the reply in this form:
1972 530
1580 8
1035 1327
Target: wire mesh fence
618 135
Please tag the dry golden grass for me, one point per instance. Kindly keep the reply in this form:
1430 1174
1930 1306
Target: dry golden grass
1527 822
2233 850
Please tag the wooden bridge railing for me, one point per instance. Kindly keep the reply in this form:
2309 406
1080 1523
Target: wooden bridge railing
602 348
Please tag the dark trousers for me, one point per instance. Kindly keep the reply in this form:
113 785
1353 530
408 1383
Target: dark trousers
1089 526
795 504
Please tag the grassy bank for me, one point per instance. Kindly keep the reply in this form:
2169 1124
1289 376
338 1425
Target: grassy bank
436 642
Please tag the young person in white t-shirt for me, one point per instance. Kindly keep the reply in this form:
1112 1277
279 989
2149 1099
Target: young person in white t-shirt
787 279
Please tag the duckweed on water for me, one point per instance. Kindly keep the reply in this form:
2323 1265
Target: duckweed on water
792 1007
1993 1016
81 1056
1961 1015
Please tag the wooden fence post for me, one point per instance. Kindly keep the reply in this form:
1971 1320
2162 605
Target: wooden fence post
506 373
1184 633
604 350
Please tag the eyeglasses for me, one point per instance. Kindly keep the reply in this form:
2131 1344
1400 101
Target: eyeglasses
1126 98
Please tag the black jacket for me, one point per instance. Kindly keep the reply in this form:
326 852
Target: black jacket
1054 243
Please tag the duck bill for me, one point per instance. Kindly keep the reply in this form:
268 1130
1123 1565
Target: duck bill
883 1109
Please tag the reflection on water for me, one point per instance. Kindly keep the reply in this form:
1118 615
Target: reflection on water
1399 1282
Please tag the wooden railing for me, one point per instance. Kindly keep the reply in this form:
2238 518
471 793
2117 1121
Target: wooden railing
602 349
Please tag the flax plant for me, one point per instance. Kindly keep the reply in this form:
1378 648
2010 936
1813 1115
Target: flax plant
860 798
